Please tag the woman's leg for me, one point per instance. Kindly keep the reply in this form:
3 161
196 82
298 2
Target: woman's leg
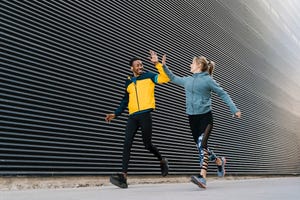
202 144
201 126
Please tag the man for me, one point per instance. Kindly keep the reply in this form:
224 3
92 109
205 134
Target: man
139 98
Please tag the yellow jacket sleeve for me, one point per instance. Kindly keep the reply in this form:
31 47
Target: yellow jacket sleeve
162 77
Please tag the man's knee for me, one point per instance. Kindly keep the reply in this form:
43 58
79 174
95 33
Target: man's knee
148 145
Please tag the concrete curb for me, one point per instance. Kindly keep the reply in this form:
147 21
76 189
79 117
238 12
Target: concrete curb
25 182
28 182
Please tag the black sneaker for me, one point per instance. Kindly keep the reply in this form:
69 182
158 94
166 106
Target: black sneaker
119 180
164 165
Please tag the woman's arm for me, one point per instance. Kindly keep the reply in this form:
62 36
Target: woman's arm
174 79
215 87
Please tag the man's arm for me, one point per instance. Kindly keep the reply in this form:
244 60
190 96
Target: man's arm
123 105
161 77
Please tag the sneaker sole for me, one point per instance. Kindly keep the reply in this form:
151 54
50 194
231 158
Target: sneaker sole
224 166
164 175
167 171
116 183
195 181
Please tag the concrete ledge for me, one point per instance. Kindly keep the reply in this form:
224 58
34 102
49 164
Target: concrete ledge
29 182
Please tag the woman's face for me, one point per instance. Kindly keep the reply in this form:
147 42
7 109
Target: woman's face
195 68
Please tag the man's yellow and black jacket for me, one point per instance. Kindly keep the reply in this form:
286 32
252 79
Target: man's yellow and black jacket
139 91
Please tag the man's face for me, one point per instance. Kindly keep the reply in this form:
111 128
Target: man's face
137 67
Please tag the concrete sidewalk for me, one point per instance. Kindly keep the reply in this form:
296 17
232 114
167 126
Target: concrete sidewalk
287 188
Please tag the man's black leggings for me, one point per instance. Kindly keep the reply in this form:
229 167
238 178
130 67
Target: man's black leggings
143 120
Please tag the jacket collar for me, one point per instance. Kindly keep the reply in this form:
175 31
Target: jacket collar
200 74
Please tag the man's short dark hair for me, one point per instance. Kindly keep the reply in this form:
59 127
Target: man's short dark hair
133 59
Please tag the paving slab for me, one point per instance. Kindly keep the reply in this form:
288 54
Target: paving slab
286 188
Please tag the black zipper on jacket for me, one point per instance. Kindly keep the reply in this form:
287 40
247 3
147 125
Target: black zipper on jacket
136 93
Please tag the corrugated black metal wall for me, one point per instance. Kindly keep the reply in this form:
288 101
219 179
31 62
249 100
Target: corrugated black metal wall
63 67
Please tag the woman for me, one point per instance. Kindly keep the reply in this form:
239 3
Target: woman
198 88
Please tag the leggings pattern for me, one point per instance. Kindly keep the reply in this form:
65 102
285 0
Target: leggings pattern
201 126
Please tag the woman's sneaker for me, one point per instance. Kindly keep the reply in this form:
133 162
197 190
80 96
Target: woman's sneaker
119 180
164 165
221 168
199 180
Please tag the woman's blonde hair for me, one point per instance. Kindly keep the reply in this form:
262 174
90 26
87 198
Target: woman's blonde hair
211 67
208 66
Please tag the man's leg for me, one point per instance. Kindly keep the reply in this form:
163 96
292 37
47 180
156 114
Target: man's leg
146 126
131 129
120 179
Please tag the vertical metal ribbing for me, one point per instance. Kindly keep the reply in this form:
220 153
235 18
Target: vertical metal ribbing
64 65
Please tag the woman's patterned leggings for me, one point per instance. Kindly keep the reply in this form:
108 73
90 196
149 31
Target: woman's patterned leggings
201 126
